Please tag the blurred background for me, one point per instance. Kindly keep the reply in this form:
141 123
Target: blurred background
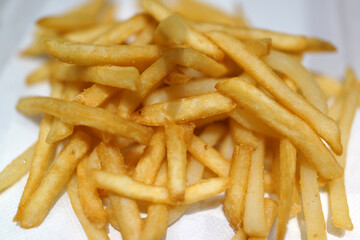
334 20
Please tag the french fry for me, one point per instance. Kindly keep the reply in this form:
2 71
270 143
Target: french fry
43 154
40 201
314 218
96 95
81 17
151 76
211 135
331 87
88 35
114 76
268 183
320 157
157 219
328 129
40 74
77 114
271 209
151 159
287 181
226 147
242 135
60 130
193 87
234 203
16 168
176 77
132 154
254 203
189 57
170 25
260 47
184 109
145 36
240 235
295 203
208 156
91 231
280 41
304 80
176 158
148 79
207 13
232 107
251 122
90 54
128 187
89 197
122 31
338 200
126 210
205 189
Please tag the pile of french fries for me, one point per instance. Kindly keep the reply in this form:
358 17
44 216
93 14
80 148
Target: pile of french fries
173 106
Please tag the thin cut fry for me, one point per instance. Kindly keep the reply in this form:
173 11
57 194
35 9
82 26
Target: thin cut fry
286 123
95 95
194 87
77 114
60 130
338 200
176 159
234 203
40 74
42 157
184 109
314 217
205 189
126 210
211 135
128 187
122 31
331 87
254 203
89 197
251 122
88 34
240 235
151 159
157 219
328 129
205 12
281 41
242 135
176 77
92 232
171 23
16 168
208 156
39 203
271 209
304 80
114 76
287 181
90 54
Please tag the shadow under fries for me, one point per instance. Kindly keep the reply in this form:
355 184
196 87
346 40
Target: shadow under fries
207 204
